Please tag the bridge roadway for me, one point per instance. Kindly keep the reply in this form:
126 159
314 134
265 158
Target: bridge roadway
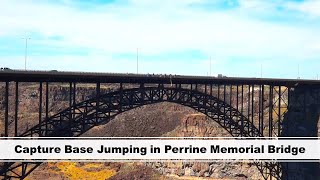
94 77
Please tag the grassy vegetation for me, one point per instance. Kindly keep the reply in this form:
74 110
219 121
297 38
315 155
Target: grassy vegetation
73 171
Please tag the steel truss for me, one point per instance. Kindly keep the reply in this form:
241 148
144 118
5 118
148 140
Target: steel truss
244 110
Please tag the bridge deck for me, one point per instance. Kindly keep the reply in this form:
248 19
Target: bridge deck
92 77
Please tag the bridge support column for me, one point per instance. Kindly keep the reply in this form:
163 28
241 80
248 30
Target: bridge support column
121 97
6 113
242 123
230 95
270 110
301 121
224 100
98 102
261 127
252 108
197 98
6 124
16 110
40 108
47 107
70 106
205 98
74 99
142 93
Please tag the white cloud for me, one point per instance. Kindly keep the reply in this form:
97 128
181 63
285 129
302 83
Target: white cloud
257 4
160 27
309 7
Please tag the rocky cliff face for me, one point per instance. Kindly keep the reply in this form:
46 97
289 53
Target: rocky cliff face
199 125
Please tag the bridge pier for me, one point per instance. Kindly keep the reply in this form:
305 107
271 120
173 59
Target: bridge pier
301 121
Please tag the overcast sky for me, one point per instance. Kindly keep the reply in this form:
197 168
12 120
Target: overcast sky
173 36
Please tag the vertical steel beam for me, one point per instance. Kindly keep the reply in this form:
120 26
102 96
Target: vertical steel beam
219 92
205 89
109 106
171 92
205 98
224 104
162 91
197 99
70 102
270 110
40 108
47 107
74 100
231 95
142 93
237 98
98 101
252 107
262 110
178 97
121 97
70 106
70 95
242 123
152 93
219 104
191 98
289 106
259 110
279 111
230 113
16 110
6 113
249 98
305 103
74 94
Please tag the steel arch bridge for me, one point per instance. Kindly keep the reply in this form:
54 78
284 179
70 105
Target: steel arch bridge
243 107
81 117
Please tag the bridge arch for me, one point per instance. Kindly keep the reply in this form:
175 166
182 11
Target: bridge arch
79 118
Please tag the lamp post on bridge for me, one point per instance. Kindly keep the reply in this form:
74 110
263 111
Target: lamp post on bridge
26 51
